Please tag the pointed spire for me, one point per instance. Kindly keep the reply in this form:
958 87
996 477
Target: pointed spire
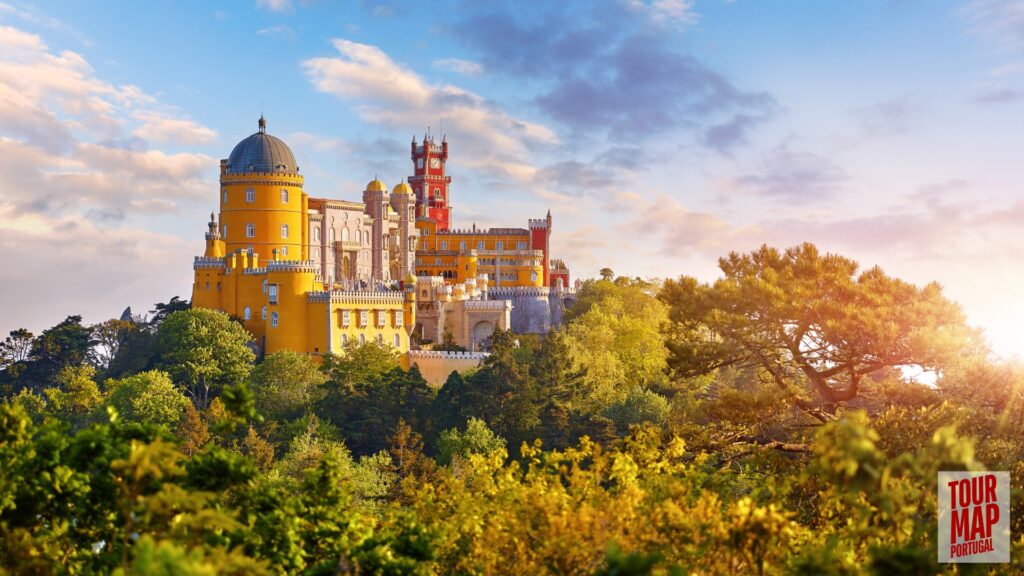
413 138
549 214
444 138
212 217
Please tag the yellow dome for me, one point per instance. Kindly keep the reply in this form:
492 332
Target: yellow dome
376 186
410 279
402 188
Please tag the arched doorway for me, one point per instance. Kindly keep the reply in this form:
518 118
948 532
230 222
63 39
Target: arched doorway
482 332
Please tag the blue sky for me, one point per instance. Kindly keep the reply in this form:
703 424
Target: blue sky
660 133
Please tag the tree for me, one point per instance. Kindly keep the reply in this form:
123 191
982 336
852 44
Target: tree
639 406
812 323
148 397
66 344
476 439
16 347
108 336
204 350
285 384
192 432
606 274
161 310
359 364
76 395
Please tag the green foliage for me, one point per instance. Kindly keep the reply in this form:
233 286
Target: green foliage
476 439
204 351
285 384
638 407
147 397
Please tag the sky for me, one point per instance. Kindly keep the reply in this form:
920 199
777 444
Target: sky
661 134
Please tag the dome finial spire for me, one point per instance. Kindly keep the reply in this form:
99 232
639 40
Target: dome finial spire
263 123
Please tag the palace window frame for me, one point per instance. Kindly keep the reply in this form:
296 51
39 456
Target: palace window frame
398 341
250 230
250 195
272 293
364 318
398 318
275 319
284 230
263 313
346 318
382 318
284 196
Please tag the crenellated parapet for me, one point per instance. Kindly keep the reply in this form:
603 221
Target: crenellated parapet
487 305
304 266
205 263
446 355
363 298
498 292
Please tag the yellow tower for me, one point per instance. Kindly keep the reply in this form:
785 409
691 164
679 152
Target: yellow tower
262 205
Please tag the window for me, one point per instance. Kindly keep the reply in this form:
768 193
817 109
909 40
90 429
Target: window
284 196
344 234
250 230
330 234
398 318
499 245
398 341
316 234
207 284
344 339
284 230
444 246
316 253
263 313
246 314
264 285
250 195
437 192
272 293
382 317
364 318
284 250
346 318
362 339
225 195
425 232
249 250
273 319
480 245
462 246
521 246
380 339
224 231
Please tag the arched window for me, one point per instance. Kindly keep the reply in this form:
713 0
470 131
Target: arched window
250 230
444 245
246 314
284 196
224 231
273 319
284 250
344 339
499 245
316 234
480 245
316 253
250 195
362 338
380 339
330 234
263 313
264 285
250 250
462 246
398 341
225 195
284 230
344 234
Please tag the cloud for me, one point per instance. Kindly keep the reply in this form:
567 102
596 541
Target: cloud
679 12
162 129
791 174
603 69
280 31
998 96
285 6
392 95
464 67
1000 21
889 117
680 231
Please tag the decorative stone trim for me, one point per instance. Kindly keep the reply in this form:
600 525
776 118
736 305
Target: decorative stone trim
423 354
353 297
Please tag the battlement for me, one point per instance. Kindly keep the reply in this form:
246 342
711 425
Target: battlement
444 355
202 262
488 305
307 266
500 292
484 231
367 297
538 224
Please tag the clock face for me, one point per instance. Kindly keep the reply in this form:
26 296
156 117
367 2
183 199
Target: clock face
435 162
419 162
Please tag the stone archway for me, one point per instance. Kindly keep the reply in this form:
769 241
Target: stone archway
481 337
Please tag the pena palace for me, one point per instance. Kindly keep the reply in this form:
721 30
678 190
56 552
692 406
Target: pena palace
313 274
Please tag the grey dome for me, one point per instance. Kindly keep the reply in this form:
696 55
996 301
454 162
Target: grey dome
262 152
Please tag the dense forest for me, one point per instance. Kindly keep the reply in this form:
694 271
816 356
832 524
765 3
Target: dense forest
787 418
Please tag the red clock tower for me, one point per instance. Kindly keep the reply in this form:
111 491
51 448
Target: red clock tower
429 181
